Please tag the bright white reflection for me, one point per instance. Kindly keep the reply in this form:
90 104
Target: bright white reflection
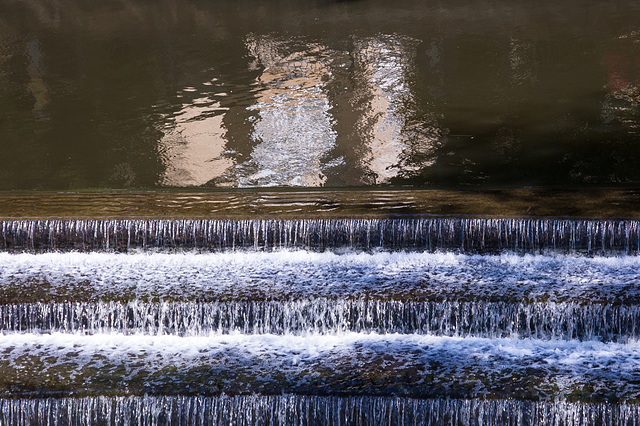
293 128
194 142
384 61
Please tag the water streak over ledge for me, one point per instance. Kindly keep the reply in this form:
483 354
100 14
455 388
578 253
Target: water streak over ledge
440 233
306 317
308 410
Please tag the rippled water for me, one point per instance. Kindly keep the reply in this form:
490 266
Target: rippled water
138 94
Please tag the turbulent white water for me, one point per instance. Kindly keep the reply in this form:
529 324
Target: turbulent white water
297 292
447 308
411 365
295 274
568 353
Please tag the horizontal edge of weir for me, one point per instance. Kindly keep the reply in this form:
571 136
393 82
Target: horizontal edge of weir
449 233
335 203
328 217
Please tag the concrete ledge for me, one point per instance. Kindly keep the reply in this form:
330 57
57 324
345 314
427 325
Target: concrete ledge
592 203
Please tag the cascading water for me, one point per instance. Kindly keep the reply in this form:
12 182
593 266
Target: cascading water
463 234
286 410
313 321
325 316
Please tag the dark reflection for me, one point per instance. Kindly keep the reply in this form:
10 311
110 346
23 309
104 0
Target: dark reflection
137 94
37 85
622 64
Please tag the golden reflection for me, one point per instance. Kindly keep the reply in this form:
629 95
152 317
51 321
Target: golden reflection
194 143
293 128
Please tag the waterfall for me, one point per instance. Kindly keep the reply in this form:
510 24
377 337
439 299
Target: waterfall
426 319
434 233
307 410
542 320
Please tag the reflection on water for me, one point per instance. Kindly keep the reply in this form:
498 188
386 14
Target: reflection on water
36 85
194 140
622 103
129 93
386 62
293 127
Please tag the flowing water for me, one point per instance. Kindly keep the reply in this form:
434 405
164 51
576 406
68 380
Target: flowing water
223 212
411 320
333 93
285 410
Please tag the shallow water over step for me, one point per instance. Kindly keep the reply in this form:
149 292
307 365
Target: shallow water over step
443 233
294 275
338 364
307 410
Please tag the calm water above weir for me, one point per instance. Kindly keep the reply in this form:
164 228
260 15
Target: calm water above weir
147 94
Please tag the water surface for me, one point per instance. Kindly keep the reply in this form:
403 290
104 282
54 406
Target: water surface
148 94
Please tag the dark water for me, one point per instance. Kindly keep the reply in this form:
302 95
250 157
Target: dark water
176 93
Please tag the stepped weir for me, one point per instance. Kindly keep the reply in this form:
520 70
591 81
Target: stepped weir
319 212
408 320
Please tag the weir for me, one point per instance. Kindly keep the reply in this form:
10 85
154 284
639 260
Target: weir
306 410
325 316
469 235
330 212
466 318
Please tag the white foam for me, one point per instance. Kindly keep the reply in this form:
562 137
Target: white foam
120 346
299 273
425 364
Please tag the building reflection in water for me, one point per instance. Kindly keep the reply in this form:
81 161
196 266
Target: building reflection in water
291 123
396 144
293 128
194 139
